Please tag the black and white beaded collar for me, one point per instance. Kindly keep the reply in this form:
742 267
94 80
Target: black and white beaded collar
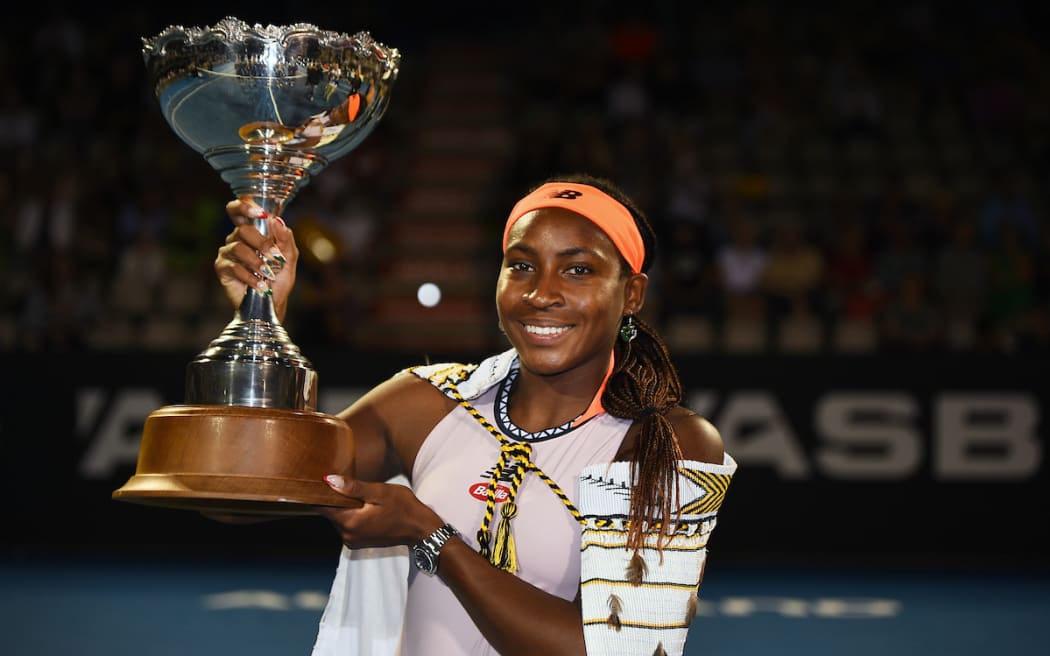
508 428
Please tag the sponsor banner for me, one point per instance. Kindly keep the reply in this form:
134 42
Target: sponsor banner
930 457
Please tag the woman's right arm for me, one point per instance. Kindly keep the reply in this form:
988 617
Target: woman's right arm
240 263
377 417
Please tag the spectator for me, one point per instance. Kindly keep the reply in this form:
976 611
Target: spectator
910 322
689 197
851 289
899 255
1007 205
628 97
687 284
1011 286
794 274
59 306
741 265
856 99
960 283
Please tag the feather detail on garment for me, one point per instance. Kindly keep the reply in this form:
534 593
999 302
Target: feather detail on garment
615 608
636 569
691 608
660 651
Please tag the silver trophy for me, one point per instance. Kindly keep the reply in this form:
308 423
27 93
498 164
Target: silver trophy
269 108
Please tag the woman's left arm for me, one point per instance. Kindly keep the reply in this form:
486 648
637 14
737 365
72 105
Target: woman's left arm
644 601
515 616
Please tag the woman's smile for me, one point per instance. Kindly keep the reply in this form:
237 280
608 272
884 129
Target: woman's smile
547 332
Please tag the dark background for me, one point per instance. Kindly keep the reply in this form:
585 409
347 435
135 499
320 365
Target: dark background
903 123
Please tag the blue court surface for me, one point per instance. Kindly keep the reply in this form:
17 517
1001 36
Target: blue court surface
271 606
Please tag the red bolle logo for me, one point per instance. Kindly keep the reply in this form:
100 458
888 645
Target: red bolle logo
480 492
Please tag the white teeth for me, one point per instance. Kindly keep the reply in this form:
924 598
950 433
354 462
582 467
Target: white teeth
546 330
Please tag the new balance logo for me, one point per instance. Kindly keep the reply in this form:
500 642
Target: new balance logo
568 194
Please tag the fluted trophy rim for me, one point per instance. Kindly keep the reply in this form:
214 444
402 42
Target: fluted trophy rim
275 56
233 30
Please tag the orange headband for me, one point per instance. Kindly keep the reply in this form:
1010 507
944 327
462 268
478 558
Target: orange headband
590 202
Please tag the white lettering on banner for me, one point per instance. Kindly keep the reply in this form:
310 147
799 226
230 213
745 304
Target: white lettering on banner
756 432
266 600
855 608
987 436
876 436
868 436
798 608
89 407
702 403
116 442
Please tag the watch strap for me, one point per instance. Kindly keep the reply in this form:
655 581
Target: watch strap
440 536
433 543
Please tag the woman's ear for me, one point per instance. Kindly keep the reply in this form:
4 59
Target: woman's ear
634 293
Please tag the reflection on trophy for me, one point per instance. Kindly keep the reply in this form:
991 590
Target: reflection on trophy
269 108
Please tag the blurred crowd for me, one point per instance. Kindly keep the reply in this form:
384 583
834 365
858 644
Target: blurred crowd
861 173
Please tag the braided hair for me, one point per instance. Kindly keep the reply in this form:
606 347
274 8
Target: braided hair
644 387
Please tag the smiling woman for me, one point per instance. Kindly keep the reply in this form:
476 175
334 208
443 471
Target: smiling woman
562 294
607 488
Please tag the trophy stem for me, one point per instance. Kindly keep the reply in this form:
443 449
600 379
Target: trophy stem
253 363
257 306
269 174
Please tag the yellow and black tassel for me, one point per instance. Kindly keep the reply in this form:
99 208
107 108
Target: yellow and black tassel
504 555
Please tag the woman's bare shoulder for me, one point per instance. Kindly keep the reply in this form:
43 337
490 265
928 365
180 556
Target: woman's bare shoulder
697 437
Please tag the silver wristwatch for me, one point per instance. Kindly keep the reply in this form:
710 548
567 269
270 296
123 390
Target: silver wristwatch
425 552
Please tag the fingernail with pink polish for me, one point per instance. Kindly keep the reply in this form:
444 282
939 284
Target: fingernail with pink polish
335 480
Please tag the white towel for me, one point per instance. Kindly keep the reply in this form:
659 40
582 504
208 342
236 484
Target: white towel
366 604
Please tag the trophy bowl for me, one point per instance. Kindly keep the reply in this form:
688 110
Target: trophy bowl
268 107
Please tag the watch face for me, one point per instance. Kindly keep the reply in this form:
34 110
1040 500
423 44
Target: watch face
424 561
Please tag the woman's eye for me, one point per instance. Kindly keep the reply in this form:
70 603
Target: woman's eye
519 266
579 270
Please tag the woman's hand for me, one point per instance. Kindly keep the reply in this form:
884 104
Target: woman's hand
390 514
248 258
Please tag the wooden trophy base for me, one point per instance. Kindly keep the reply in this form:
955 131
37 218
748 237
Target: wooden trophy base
240 460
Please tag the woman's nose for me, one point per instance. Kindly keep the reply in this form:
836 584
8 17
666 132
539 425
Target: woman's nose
545 292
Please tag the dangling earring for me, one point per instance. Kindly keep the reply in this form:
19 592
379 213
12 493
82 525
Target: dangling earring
628 331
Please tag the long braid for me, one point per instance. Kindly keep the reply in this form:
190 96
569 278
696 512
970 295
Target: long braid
645 387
